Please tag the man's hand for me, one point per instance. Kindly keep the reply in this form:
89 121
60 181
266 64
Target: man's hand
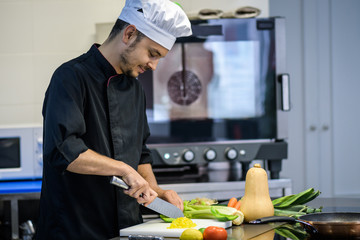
139 188
173 198
90 162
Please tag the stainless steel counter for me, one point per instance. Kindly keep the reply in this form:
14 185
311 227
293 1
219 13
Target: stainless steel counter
329 204
222 190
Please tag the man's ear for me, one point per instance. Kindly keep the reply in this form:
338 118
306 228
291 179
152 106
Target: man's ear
129 33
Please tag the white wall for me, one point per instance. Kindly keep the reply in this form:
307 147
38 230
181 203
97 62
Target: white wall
36 37
39 35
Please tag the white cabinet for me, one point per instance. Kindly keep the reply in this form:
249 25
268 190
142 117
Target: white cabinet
323 60
317 95
345 73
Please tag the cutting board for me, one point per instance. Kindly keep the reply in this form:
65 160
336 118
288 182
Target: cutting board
158 227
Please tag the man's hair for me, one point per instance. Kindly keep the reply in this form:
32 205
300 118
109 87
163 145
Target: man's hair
119 26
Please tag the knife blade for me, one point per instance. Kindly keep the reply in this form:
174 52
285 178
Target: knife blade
158 205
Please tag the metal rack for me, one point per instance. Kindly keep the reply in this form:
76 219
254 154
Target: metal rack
14 192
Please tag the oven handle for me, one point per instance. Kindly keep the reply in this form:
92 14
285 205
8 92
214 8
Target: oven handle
285 91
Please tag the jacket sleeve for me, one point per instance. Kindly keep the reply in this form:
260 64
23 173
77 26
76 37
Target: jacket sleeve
145 153
64 122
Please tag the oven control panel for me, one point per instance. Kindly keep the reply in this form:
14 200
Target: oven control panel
203 153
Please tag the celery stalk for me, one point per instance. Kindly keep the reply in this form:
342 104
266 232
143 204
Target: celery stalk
221 213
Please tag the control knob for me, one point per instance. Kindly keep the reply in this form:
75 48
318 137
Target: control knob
210 154
188 155
231 153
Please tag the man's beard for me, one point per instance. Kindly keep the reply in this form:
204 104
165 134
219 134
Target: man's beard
126 66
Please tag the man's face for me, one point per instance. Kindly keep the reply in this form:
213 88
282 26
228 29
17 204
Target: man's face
141 56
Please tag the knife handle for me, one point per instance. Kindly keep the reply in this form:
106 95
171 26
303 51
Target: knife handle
119 182
308 227
142 237
274 219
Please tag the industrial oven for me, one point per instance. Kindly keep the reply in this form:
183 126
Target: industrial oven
220 95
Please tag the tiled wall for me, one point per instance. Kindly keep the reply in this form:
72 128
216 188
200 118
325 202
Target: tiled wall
37 36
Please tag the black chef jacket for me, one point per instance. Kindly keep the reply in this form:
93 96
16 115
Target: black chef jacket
89 106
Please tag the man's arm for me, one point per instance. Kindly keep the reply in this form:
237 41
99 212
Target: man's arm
171 196
90 162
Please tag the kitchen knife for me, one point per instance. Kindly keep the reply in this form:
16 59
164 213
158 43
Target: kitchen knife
158 205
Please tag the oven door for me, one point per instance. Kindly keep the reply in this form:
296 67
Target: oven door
220 84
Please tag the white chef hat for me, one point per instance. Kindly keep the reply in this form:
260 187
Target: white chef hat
160 20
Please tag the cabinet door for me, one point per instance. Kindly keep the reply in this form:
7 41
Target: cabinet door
345 72
332 84
317 95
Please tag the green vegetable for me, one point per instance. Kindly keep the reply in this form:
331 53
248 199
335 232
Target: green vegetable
196 209
296 199
294 205
282 212
202 230
222 213
301 208
293 232
166 219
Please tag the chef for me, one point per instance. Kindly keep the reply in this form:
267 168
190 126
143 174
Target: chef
95 126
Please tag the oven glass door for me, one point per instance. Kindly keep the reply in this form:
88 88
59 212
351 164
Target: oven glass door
216 85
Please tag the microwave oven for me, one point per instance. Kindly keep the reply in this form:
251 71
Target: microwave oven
20 152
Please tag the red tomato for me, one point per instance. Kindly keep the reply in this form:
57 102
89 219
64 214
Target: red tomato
215 233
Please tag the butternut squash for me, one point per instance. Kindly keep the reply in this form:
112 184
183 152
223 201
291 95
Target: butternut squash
256 202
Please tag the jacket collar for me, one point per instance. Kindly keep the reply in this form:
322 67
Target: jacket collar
106 67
